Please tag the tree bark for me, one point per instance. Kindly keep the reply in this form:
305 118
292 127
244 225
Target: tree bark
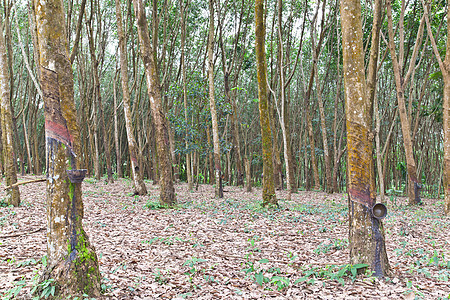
269 197
212 104
9 159
366 234
414 185
72 261
139 185
167 191
116 132
445 69
98 101
183 70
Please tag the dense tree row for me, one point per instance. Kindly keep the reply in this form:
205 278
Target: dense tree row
175 90
305 91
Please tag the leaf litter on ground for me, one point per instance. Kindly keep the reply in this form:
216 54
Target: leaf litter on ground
230 248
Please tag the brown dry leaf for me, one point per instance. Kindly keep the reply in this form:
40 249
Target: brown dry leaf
213 248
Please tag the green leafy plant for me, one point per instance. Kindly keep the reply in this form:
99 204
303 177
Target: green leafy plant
13 292
332 272
160 277
45 288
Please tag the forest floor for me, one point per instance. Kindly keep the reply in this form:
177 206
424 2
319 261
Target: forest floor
230 248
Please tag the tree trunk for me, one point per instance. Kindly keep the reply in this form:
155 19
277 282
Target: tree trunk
210 157
248 177
283 115
98 100
183 70
9 159
366 234
139 185
414 185
167 191
72 261
116 132
212 104
445 69
269 197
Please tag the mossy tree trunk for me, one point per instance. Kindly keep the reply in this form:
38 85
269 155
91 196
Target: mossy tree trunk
269 197
167 191
445 69
7 133
72 261
212 104
366 234
139 185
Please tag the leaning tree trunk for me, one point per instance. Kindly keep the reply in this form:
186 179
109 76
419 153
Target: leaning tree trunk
72 261
212 104
445 69
366 234
9 161
139 185
414 185
269 197
167 191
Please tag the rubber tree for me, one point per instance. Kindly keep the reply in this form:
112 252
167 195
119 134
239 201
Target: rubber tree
269 197
212 104
444 65
7 133
139 185
167 191
366 234
189 175
72 261
401 82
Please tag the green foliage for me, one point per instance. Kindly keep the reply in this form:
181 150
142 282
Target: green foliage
331 272
337 244
160 277
12 293
46 289
153 203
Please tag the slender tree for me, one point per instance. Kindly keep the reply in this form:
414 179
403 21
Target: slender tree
366 234
414 185
98 99
186 113
159 118
72 261
444 66
212 104
139 185
269 197
9 160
